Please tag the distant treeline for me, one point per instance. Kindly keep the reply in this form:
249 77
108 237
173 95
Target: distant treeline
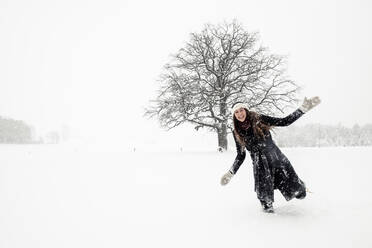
323 135
15 131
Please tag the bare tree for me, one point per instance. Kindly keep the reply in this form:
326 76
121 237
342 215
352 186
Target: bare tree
219 66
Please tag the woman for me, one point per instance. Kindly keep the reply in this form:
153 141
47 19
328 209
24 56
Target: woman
272 170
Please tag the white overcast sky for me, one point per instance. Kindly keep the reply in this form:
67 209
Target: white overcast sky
93 65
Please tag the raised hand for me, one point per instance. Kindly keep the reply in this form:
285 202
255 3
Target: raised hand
309 103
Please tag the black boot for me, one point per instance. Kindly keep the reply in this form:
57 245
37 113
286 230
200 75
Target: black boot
301 194
267 207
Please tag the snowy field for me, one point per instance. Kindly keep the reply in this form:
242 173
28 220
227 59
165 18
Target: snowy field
55 196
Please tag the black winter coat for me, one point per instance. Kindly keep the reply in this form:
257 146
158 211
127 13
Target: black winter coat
272 170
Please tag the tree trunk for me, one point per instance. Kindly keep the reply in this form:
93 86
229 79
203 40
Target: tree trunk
222 130
222 138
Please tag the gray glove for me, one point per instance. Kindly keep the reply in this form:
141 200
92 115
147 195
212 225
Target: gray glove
309 103
226 178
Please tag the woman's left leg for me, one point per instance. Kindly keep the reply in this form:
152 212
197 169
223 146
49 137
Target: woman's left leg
286 178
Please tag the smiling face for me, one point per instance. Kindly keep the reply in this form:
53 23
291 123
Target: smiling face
240 114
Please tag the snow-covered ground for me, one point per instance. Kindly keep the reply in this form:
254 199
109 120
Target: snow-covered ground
55 196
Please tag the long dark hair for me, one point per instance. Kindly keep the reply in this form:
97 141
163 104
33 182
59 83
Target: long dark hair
253 119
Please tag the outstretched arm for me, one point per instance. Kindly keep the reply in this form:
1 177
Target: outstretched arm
236 165
288 120
281 122
240 156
